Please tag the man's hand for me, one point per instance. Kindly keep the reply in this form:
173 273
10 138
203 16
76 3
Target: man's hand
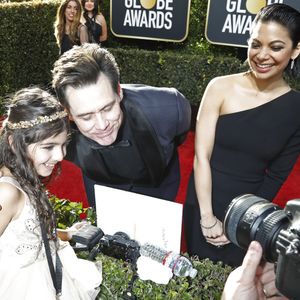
251 281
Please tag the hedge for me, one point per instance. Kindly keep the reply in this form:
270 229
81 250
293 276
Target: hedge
28 51
189 73
117 276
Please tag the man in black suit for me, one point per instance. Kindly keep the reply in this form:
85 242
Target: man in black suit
125 136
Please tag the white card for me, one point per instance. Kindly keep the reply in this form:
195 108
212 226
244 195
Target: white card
143 218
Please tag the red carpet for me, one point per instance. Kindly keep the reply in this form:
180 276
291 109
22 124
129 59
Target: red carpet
70 186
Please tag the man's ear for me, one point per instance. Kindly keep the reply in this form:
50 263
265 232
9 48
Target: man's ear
120 92
69 115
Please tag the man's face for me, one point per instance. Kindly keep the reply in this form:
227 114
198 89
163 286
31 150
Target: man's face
96 111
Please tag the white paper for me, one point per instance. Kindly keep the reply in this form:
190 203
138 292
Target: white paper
143 218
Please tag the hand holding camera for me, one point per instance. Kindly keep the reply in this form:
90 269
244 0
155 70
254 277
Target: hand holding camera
251 281
249 218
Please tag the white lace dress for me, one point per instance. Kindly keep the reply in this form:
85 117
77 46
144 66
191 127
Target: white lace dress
24 271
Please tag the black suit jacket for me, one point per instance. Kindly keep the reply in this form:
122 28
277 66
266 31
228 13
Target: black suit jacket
158 120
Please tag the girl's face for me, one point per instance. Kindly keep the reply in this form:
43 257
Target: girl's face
71 11
47 153
89 5
270 50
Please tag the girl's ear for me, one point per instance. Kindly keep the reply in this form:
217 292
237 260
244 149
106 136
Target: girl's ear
10 141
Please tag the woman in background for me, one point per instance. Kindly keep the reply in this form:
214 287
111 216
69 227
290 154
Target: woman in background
247 133
94 21
69 31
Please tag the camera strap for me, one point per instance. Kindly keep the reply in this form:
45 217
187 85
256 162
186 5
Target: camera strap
56 273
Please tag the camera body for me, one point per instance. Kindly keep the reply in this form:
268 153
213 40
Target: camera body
249 217
119 246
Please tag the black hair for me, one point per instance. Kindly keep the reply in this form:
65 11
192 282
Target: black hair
26 105
81 66
289 18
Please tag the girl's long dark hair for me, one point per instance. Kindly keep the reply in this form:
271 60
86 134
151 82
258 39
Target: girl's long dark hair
28 104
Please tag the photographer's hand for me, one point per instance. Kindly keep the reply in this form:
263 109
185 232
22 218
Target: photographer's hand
251 281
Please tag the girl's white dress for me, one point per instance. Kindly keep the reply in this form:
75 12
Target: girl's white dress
24 270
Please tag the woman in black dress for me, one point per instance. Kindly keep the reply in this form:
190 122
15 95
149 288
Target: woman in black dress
68 29
247 133
94 21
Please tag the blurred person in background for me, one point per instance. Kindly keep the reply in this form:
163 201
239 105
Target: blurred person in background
94 21
69 31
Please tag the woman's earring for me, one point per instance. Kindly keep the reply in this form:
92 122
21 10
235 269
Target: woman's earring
292 64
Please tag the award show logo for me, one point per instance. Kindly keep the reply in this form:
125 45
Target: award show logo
229 22
150 19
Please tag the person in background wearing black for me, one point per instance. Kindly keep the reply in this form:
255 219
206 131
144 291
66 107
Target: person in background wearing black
68 29
94 21
127 135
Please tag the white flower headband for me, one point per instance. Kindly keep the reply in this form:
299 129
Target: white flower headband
37 121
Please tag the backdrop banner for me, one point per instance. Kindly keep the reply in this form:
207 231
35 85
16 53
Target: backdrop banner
228 22
165 20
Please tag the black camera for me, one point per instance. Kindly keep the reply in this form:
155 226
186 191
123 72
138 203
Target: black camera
86 237
249 217
119 246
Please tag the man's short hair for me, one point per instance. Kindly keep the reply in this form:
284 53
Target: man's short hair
81 66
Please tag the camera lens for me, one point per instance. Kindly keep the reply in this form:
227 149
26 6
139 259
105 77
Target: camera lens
123 235
249 217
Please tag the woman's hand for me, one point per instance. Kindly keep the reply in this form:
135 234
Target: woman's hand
212 229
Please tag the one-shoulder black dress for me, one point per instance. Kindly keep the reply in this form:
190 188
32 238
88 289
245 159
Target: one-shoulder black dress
254 152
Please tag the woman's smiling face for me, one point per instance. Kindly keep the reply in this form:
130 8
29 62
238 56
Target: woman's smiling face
270 50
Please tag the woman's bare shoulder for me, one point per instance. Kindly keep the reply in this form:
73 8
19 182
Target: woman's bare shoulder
227 79
100 18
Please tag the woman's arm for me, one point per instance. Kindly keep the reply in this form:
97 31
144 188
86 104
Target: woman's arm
102 21
11 203
207 118
83 34
280 168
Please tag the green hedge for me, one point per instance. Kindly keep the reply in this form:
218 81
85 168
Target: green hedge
28 51
28 47
117 274
189 73
207 285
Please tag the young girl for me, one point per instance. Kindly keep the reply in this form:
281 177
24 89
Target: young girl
68 29
94 21
32 259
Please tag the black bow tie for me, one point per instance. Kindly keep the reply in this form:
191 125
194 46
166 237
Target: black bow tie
120 144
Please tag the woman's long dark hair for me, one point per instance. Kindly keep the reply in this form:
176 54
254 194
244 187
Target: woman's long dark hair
28 104
90 21
60 22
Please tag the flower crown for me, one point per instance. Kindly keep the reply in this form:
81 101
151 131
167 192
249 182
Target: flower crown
37 121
